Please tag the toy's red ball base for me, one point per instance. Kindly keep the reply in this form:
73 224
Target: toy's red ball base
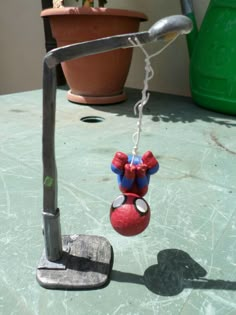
129 214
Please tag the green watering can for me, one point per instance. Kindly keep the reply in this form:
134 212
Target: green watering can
213 56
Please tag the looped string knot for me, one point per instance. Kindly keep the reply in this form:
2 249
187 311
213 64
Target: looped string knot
138 107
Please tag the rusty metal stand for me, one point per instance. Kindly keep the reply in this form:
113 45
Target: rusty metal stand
79 261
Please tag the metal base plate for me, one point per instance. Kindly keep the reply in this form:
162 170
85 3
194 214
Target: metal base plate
86 264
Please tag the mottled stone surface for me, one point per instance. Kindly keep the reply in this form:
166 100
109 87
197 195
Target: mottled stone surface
185 261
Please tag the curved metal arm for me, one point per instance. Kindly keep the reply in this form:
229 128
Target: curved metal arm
177 24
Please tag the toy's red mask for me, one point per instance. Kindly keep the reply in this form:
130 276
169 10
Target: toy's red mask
129 214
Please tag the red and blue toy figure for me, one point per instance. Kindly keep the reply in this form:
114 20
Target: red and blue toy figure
132 215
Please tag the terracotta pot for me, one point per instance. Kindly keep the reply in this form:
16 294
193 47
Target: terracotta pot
97 79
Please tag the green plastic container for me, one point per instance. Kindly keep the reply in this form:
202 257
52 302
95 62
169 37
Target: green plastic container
213 59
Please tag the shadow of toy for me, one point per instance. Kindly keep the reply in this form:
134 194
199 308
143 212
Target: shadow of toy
175 271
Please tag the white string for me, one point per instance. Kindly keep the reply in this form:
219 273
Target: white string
138 107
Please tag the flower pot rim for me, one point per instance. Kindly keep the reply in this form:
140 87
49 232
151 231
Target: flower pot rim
93 11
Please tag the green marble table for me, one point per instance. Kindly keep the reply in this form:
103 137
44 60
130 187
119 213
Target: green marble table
184 262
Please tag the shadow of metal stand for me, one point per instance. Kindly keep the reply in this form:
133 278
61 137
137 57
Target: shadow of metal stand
79 261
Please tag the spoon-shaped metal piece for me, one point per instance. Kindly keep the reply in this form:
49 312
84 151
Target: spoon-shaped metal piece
166 29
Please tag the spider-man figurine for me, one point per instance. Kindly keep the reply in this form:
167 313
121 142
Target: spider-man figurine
129 213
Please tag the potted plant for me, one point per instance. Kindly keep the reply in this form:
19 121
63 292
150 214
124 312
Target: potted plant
97 79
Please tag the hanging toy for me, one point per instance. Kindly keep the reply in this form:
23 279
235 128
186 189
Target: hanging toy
130 213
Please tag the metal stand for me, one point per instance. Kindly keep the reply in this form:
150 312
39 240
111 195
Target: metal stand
79 261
